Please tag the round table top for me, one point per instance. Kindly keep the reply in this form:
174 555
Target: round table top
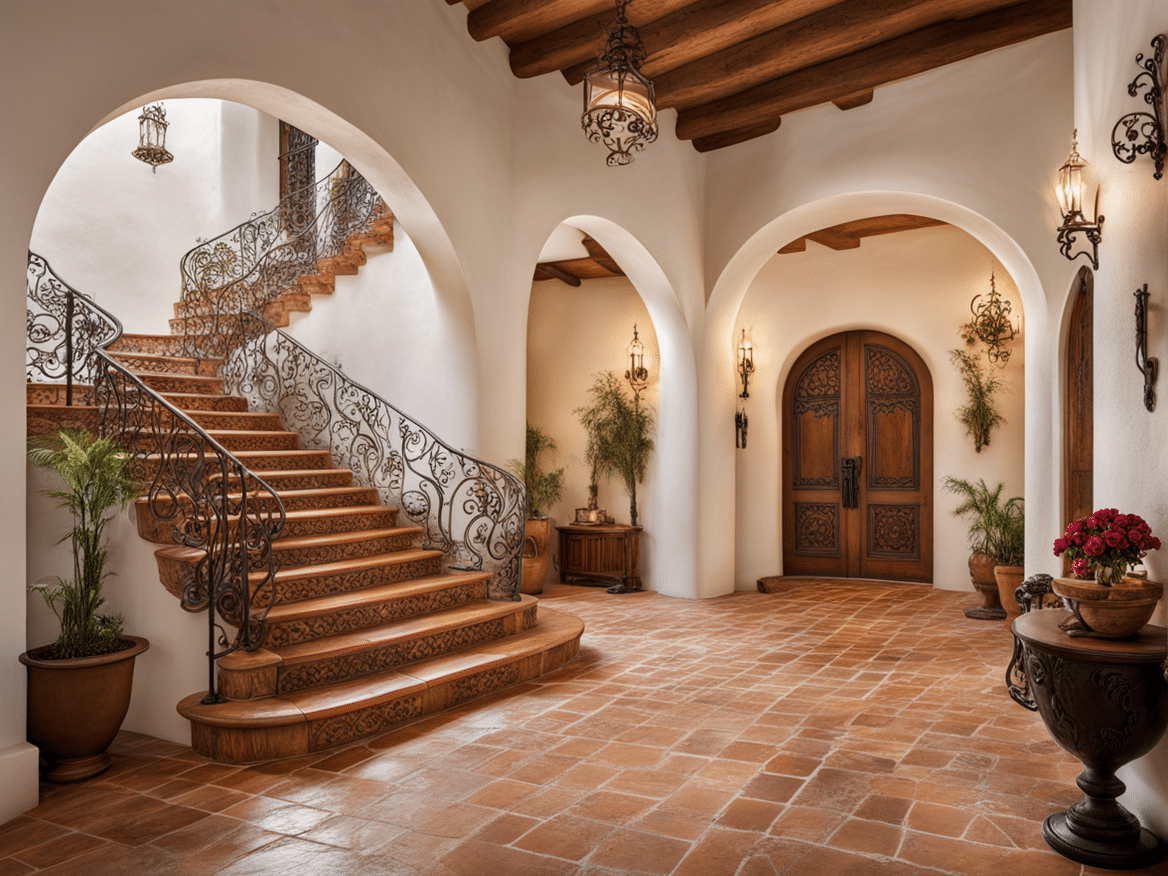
1040 629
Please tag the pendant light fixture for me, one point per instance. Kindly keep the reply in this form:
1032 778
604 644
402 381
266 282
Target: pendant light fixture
619 108
152 127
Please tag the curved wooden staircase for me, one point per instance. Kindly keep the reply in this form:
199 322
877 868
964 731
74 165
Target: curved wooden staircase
364 631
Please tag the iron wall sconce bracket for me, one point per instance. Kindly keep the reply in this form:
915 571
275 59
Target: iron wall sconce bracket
1148 367
1143 133
1068 235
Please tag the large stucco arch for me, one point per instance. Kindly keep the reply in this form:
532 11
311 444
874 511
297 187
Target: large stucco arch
716 357
673 541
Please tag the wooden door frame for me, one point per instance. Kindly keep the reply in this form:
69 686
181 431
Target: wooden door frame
857 563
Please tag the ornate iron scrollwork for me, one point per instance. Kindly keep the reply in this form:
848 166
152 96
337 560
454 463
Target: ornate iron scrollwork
1031 594
470 510
213 502
1148 367
1143 133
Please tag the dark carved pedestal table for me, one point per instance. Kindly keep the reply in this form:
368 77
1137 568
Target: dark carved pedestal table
1106 702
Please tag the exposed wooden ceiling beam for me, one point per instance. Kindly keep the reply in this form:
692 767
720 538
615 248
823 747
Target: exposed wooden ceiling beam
830 33
833 239
738 135
598 254
854 100
558 273
524 19
899 58
799 244
848 235
673 31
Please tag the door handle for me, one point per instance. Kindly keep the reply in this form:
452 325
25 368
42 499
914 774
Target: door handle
850 491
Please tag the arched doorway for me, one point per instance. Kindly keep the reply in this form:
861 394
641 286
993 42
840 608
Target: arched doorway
858 460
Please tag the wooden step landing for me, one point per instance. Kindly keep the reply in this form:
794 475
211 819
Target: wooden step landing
249 731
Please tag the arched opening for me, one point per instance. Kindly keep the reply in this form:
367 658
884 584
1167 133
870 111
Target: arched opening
793 325
575 334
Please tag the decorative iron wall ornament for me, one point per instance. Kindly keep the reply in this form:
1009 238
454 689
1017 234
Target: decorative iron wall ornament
619 104
745 363
213 502
1070 197
470 510
1143 133
1148 367
740 424
991 324
637 374
152 125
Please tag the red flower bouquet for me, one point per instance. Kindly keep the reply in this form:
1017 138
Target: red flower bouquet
1105 543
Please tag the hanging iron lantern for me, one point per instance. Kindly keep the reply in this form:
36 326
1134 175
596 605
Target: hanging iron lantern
619 107
152 127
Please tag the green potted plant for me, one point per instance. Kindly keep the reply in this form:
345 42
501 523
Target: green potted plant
79 686
544 489
1009 549
979 414
619 434
985 512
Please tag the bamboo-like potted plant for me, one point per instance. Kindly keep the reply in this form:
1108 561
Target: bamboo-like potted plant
984 511
544 489
79 686
620 434
979 414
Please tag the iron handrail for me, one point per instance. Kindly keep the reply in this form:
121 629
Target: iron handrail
220 508
472 511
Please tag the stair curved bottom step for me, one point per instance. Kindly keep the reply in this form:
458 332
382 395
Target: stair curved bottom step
251 731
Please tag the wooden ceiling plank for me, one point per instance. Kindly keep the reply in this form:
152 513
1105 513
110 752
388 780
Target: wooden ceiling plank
833 239
581 41
889 224
908 55
833 32
558 273
738 135
526 19
852 101
598 254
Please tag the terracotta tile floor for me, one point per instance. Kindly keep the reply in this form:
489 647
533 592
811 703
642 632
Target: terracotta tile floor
840 728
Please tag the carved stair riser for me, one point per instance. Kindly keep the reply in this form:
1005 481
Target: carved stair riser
291 679
164 383
190 402
146 363
362 617
351 549
54 394
234 441
226 420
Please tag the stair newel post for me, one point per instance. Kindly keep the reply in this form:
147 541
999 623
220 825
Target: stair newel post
69 347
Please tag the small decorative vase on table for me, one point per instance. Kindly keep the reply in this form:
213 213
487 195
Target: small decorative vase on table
1104 545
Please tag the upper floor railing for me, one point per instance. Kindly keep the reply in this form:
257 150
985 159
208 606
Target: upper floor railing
214 504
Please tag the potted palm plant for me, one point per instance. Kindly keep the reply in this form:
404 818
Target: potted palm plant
619 434
79 686
985 512
544 489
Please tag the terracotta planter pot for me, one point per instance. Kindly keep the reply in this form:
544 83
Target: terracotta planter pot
536 554
1008 579
76 707
1114 612
981 573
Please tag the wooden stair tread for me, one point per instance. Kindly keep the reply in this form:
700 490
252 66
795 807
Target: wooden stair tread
299 542
554 629
288 611
316 570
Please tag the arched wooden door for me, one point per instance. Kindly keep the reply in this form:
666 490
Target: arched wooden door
1080 430
858 460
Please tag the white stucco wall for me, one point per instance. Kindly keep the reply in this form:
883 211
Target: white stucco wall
116 231
917 286
573 335
1131 455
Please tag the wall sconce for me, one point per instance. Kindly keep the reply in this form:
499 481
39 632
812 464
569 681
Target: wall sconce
638 374
619 104
152 127
1148 367
740 429
1070 196
1143 133
745 363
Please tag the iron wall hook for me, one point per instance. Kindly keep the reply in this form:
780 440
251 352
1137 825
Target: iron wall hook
1148 367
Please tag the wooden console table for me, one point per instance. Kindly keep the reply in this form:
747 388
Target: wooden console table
1106 702
606 551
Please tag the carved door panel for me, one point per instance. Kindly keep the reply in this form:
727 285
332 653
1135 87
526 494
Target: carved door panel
857 461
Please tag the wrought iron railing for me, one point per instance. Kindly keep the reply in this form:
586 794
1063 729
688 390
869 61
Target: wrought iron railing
472 511
215 504
63 329
262 259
